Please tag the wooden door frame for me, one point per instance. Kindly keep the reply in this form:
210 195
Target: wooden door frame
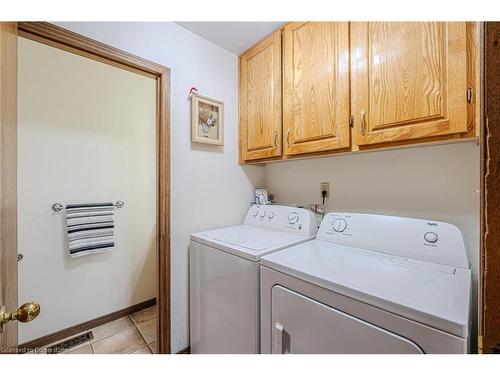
58 37
489 291
8 178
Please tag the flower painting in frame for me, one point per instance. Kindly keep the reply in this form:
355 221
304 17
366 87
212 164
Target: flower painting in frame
207 120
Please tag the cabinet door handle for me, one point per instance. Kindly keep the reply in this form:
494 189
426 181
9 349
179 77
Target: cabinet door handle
278 338
288 136
363 123
276 139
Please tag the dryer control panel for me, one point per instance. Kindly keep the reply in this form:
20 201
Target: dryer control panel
283 218
425 240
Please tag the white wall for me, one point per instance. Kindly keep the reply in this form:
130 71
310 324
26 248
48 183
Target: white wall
439 182
209 189
86 133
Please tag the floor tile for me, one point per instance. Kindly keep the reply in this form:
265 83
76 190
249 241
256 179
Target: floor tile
144 315
144 350
111 328
87 349
153 347
135 333
126 341
148 330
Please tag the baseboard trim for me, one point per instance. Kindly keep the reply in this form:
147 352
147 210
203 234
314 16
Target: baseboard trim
186 350
70 331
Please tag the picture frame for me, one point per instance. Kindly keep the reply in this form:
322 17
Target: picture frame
207 120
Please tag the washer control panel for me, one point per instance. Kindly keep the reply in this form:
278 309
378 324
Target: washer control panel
419 239
283 218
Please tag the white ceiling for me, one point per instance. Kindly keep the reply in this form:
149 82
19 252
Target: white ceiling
232 36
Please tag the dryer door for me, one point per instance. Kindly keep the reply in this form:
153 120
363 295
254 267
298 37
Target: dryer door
303 325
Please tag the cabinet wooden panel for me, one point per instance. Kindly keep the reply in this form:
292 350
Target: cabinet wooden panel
408 80
316 87
260 100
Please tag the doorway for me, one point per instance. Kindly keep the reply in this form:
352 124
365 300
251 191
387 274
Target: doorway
124 289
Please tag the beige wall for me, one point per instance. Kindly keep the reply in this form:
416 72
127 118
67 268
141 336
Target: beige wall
86 134
439 182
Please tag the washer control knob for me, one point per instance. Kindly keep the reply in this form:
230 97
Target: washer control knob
339 225
263 214
270 215
293 217
255 213
431 237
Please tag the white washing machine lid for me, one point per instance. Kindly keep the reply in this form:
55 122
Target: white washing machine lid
432 294
248 241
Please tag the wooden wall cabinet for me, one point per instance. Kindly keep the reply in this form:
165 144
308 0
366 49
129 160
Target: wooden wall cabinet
315 87
260 100
409 80
348 87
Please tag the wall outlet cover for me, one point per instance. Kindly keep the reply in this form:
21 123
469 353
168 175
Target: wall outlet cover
324 186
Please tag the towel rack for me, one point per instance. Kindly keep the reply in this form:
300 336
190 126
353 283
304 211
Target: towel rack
58 207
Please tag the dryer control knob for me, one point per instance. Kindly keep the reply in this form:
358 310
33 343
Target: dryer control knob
431 237
263 214
339 225
293 217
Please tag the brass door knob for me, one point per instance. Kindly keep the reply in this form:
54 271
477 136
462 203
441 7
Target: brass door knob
26 313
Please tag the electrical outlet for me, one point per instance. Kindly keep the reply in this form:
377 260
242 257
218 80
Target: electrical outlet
324 186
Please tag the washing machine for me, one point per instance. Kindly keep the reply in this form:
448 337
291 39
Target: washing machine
224 267
368 284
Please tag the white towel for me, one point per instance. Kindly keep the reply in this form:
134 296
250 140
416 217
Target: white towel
90 228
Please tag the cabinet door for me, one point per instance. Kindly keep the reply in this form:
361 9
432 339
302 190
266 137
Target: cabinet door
260 100
316 87
408 80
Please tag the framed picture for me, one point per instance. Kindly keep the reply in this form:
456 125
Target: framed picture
207 120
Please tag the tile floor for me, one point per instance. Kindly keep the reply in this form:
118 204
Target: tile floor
133 334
